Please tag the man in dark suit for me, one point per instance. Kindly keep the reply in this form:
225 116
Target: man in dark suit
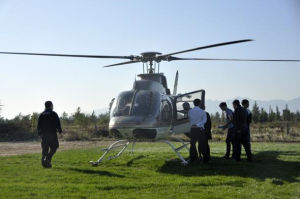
245 104
240 123
207 127
48 125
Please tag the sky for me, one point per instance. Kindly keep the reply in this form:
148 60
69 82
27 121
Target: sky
134 26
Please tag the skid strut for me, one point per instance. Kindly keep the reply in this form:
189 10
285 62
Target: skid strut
177 150
123 144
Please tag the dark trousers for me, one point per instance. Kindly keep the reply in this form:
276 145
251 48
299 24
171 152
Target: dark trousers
49 146
230 138
242 138
248 137
198 135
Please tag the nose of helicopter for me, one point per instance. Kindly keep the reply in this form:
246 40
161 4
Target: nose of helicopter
133 127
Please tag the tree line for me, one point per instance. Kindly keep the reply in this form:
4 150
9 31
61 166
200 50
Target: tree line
80 125
24 127
260 115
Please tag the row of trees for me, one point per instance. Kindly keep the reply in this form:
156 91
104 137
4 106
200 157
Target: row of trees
23 127
85 120
260 115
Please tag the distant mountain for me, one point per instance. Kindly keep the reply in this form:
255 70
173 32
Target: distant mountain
212 106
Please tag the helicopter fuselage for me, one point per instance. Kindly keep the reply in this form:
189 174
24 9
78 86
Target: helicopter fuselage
137 114
148 111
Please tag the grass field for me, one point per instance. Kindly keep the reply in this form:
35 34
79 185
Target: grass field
154 172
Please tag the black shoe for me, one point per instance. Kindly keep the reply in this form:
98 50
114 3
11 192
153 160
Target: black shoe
226 157
43 163
190 160
249 159
47 164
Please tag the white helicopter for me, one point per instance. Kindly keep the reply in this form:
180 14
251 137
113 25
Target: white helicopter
149 111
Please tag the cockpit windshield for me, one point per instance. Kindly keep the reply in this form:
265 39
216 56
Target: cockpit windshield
136 103
123 104
142 103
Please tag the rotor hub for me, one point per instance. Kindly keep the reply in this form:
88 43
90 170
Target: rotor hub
149 56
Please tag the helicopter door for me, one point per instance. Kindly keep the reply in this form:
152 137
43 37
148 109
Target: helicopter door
182 104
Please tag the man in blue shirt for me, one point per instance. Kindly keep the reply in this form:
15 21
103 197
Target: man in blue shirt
197 118
228 125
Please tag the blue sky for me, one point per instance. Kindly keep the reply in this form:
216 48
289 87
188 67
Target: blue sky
134 26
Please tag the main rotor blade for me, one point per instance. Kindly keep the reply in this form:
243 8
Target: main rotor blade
70 55
209 46
254 60
122 63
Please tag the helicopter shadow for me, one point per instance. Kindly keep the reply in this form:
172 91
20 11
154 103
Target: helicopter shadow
265 165
97 172
130 162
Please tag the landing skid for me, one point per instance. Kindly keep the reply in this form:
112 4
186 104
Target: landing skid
123 144
178 149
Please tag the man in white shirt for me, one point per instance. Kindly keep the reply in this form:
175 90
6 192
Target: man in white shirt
197 118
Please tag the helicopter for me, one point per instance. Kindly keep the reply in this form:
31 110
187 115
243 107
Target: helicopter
149 111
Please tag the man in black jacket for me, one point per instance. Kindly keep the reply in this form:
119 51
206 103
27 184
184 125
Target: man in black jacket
240 124
48 125
245 104
207 127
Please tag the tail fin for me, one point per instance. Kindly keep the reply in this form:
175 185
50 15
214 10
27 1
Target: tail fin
175 84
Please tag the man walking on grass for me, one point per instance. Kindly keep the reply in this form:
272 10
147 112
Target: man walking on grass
48 126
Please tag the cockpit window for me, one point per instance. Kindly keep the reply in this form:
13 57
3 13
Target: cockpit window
123 104
140 103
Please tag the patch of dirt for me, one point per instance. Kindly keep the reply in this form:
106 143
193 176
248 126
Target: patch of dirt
19 148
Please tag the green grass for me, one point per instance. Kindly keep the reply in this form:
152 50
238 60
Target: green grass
154 172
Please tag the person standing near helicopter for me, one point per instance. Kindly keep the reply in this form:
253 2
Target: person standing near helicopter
197 118
245 104
240 117
207 127
231 131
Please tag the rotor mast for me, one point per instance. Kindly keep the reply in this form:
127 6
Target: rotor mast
150 58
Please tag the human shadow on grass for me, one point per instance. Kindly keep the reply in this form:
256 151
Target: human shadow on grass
265 165
97 172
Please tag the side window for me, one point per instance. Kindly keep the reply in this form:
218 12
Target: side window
185 101
183 108
166 112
